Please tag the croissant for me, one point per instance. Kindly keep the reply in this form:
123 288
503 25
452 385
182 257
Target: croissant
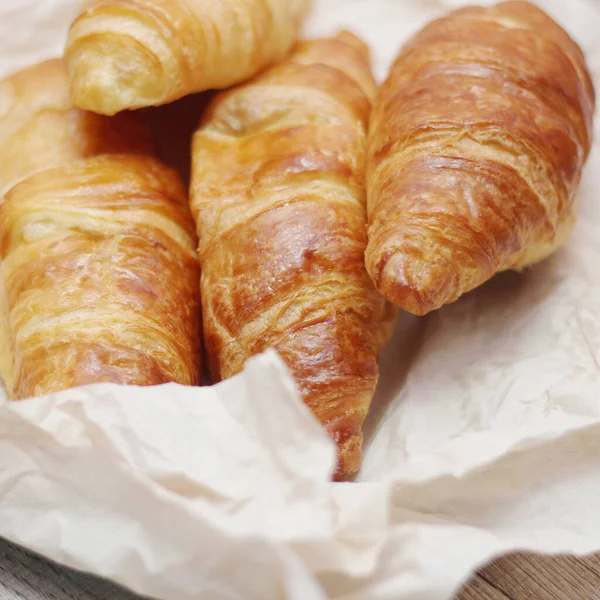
39 128
477 144
279 200
162 50
98 274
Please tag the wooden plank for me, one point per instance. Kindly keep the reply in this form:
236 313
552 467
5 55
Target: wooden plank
24 576
479 589
533 577
592 563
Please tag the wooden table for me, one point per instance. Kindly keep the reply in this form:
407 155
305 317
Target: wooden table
531 577
24 576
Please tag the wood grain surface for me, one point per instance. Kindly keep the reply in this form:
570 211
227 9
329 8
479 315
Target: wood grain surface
24 576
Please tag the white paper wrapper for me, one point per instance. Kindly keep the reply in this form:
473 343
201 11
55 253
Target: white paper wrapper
483 438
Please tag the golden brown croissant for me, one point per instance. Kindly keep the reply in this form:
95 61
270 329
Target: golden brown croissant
132 53
99 276
39 128
278 194
477 144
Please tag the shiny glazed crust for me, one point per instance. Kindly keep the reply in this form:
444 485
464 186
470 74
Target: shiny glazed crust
98 274
161 50
278 195
477 144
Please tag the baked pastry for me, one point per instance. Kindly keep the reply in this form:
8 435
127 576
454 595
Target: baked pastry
124 54
39 128
477 144
278 196
98 275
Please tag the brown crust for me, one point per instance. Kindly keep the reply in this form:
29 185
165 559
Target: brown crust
278 194
477 144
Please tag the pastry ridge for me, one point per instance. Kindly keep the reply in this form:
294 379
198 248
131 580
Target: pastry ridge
477 144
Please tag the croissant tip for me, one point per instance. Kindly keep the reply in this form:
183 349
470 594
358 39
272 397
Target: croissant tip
92 93
347 434
349 459
104 86
415 285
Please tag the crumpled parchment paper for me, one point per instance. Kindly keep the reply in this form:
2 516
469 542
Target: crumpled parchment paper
484 436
